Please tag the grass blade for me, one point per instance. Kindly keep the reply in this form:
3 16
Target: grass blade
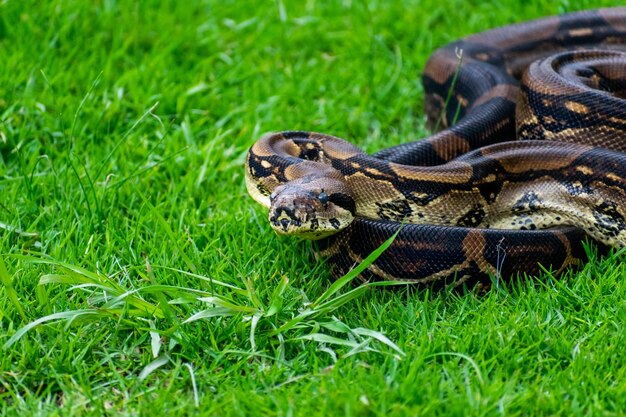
65 315
347 278
5 278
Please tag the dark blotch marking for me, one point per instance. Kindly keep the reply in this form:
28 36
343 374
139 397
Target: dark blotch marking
276 167
576 188
608 219
529 226
529 202
295 134
394 210
310 153
472 218
422 200
344 201
285 222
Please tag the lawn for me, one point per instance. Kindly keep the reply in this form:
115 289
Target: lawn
137 277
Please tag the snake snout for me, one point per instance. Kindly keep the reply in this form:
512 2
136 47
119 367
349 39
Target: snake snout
309 213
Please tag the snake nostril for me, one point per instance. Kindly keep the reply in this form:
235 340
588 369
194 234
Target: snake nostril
284 223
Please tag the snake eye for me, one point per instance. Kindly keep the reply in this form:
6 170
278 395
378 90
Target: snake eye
323 197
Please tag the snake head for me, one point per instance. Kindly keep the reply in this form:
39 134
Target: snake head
311 208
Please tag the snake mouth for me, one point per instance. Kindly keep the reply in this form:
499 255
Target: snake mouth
307 217
283 220
306 224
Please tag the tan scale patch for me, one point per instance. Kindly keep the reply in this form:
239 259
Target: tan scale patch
261 148
339 149
449 208
580 32
378 173
286 147
273 143
501 90
615 178
519 160
450 144
450 173
576 107
549 119
304 168
617 120
441 66
584 169
474 249
369 190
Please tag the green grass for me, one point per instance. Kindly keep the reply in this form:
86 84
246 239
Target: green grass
138 278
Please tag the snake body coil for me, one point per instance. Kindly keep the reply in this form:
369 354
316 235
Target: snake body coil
475 201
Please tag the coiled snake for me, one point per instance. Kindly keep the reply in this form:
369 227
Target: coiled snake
474 200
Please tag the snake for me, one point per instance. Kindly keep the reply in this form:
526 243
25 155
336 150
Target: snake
527 163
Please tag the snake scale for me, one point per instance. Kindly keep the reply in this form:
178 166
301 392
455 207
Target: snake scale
529 162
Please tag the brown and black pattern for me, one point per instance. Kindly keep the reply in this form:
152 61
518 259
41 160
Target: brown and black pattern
451 256
486 84
457 193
